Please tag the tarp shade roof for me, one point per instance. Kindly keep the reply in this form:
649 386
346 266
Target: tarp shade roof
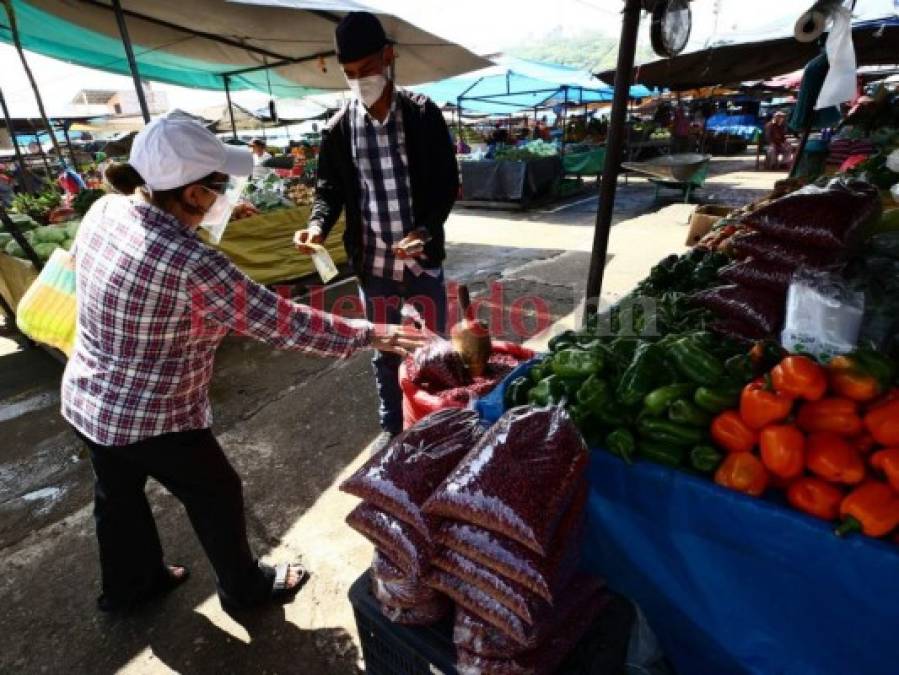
876 42
517 84
246 120
193 42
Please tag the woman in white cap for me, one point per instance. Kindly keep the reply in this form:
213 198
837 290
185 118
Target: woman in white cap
154 303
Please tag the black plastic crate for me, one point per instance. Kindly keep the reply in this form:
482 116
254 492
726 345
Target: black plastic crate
392 649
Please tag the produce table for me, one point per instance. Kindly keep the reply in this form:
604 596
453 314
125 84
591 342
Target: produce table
16 276
733 584
510 180
262 246
588 163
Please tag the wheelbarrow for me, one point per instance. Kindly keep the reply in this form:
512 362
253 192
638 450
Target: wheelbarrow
686 172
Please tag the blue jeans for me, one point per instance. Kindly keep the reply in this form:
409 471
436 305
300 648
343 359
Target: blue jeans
384 299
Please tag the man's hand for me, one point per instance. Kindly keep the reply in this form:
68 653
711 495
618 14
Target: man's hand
302 239
410 246
401 340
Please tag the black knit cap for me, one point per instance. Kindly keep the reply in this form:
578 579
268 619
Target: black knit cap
359 34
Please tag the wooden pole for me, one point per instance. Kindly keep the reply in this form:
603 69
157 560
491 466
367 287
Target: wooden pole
614 145
17 42
132 63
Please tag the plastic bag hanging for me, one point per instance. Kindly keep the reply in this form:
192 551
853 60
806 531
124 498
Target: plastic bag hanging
839 84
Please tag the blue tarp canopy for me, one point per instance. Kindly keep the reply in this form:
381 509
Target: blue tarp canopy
516 84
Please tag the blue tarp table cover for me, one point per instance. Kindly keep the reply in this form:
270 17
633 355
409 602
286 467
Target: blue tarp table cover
732 584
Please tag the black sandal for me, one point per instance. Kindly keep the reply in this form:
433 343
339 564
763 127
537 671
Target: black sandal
277 590
165 582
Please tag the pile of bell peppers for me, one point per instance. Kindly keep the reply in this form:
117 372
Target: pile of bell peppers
650 399
826 435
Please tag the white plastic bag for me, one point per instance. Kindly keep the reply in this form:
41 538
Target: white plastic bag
824 315
839 84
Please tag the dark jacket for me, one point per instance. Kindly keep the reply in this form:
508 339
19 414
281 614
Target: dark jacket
433 175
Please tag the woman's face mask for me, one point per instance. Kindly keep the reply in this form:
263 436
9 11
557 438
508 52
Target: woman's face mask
216 218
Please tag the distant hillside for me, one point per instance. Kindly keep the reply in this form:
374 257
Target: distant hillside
592 51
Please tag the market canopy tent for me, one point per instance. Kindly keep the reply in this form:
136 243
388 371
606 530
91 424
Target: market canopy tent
517 84
285 47
248 120
875 43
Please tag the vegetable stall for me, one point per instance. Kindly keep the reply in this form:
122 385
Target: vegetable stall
741 406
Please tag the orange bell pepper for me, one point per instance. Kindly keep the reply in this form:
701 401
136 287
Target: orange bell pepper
799 377
743 472
731 434
783 450
849 381
863 444
836 415
815 497
760 405
887 462
872 508
830 457
883 423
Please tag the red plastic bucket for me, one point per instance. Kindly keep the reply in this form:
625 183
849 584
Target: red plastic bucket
418 403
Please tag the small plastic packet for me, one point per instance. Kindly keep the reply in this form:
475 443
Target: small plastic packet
824 315
404 546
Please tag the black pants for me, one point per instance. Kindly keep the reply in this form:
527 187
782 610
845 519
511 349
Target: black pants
192 466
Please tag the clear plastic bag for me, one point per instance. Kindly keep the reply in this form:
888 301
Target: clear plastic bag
425 614
482 649
759 274
382 568
828 217
763 247
763 310
400 478
400 542
824 315
438 366
407 593
519 478
541 575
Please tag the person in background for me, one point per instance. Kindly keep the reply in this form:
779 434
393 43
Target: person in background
680 130
154 303
780 150
387 158
260 155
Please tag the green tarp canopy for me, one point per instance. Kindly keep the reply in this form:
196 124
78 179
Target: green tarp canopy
282 46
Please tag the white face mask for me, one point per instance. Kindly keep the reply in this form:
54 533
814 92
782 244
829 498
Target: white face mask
215 220
368 90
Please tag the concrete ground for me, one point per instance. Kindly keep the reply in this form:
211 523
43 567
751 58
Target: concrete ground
293 426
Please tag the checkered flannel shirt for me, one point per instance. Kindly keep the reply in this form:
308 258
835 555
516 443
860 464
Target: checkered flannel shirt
382 164
154 302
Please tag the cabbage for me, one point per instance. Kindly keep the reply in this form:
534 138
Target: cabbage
50 235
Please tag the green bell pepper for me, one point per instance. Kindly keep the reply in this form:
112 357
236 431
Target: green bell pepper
562 341
541 369
576 363
740 367
517 392
705 458
612 414
661 453
665 431
685 412
593 393
717 399
658 400
640 376
622 443
695 363
549 391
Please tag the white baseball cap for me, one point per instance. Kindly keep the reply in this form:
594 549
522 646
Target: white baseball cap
176 150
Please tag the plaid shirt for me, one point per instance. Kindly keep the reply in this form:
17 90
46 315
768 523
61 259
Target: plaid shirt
154 302
379 151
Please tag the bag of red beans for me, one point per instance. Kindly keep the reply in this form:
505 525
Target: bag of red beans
541 575
401 477
404 546
438 366
519 478
424 614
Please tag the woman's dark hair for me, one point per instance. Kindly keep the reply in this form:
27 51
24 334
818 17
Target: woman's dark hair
125 179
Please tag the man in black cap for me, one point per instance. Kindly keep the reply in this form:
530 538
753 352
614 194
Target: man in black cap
387 158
